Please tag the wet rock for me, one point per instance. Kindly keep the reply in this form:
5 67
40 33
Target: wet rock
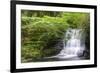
59 46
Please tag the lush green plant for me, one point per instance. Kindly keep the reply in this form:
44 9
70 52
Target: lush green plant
41 31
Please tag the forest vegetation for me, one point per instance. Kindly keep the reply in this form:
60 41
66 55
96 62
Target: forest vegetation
41 31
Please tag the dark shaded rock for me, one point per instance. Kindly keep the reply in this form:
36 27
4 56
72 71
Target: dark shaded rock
59 46
85 54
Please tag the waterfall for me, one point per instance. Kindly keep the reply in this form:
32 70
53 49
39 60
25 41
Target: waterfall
72 44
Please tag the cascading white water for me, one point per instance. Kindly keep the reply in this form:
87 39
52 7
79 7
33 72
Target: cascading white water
72 45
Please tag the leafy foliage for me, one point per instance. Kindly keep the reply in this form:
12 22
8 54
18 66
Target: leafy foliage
42 30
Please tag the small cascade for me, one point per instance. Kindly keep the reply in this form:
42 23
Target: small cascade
72 44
